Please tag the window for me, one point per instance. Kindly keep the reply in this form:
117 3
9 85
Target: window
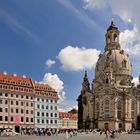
12 102
51 114
119 108
22 96
46 100
27 119
55 114
124 63
6 110
22 111
16 95
42 100
55 101
38 99
42 106
6 95
106 81
42 121
16 110
22 103
0 118
133 106
51 101
47 107
55 107
31 97
0 109
6 118
32 112
38 113
27 97
22 120
51 121
51 107
38 120
27 112
38 106
42 113
12 95
0 101
115 39
47 114
47 121
16 102
0 94
6 102
55 121
106 108
12 119
12 110
32 120
27 104
31 104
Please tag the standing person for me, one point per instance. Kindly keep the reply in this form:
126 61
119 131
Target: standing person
106 134
66 135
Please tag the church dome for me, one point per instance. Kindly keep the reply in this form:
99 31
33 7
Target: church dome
114 63
117 60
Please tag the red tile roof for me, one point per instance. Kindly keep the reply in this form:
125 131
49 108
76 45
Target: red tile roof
15 80
67 115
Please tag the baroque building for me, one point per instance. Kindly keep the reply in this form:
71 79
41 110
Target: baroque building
112 102
27 105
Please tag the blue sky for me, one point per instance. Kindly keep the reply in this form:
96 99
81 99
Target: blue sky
49 40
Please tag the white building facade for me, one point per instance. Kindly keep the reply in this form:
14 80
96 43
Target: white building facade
46 108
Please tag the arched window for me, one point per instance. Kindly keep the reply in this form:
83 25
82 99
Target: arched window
133 108
106 81
124 63
115 38
108 39
106 108
119 110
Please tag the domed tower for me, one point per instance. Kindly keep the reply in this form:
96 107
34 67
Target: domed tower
113 67
112 81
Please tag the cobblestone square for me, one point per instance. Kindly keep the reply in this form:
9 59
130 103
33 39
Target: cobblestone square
95 136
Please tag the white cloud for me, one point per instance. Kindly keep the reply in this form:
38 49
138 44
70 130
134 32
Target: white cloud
55 82
50 62
130 41
135 81
17 26
76 59
89 4
68 108
81 15
128 11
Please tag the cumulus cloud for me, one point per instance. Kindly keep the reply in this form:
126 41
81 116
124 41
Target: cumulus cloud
135 81
55 82
129 13
66 109
76 59
50 62
130 41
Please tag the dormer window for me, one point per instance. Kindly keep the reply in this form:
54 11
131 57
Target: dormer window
124 63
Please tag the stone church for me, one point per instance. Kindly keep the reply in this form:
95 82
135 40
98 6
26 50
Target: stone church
112 101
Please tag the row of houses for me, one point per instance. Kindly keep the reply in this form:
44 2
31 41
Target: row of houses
25 104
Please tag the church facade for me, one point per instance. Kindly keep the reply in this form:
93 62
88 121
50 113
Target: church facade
112 101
